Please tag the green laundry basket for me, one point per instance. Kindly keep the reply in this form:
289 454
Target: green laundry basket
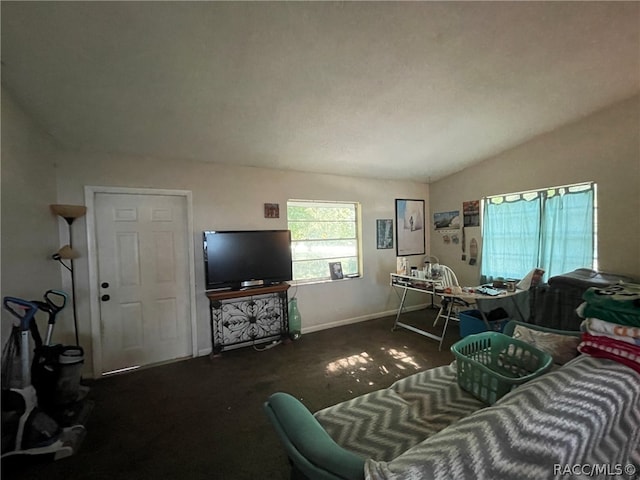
491 364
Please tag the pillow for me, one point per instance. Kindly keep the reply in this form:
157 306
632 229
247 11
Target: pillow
561 347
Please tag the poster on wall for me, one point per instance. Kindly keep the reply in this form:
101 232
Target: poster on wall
446 220
471 213
384 233
409 227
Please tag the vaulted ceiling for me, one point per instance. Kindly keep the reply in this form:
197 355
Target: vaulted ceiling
379 89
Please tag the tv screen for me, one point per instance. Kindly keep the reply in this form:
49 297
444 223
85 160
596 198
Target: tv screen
235 259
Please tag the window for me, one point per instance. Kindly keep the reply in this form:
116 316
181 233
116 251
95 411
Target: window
554 229
323 233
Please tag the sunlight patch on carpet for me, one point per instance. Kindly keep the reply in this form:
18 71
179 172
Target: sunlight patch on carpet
351 363
403 360
363 362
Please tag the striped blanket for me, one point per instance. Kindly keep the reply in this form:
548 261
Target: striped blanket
606 347
622 333
586 412
385 423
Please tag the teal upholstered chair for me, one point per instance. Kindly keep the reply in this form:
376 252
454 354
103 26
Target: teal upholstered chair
313 453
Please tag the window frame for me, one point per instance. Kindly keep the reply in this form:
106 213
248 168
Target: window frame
544 194
357 223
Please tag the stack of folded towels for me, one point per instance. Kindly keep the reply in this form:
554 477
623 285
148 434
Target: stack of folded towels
611 326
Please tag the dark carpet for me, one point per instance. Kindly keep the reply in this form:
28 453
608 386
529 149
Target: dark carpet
202 418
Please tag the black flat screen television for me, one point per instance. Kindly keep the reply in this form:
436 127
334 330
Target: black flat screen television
237 259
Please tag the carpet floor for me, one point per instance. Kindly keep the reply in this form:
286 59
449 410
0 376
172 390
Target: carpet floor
202 418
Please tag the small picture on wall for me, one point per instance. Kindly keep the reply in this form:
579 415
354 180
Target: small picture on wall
335 269
384 233
471 213
446 220
271 210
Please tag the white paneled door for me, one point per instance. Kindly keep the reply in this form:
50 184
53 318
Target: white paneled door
143 276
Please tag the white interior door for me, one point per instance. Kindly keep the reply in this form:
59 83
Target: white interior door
143 278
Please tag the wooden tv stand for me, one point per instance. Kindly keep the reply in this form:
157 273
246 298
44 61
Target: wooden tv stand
248 316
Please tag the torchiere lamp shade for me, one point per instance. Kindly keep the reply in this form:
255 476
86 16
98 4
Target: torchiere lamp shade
69 212
67 253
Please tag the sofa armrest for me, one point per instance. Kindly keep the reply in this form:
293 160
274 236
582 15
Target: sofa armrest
307 444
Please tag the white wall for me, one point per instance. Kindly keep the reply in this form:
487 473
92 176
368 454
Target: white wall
603 147
226 197
29 230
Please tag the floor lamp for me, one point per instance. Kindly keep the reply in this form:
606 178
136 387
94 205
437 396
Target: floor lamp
69 213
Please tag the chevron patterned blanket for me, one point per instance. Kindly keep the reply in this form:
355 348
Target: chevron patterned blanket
585 413
383 424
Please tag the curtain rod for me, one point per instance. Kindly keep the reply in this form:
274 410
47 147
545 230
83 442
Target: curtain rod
590 183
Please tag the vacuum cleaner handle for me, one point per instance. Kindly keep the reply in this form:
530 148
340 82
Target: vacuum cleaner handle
21 309
55 305
25 311
55 301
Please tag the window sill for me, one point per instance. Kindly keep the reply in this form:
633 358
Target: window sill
297 283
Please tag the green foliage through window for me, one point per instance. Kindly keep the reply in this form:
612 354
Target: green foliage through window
323 232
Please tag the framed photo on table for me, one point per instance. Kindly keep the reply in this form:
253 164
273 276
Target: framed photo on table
410 229
335 270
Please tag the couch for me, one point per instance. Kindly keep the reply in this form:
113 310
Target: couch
554 304
586 411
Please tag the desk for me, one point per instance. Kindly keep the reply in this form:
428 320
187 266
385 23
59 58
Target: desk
424 285
406 283
517 307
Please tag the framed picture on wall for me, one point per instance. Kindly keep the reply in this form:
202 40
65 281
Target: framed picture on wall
384 233
410 229
271 210
446 220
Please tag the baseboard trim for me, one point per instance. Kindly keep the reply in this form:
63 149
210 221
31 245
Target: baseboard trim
364 318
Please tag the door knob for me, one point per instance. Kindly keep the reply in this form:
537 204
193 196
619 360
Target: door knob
104 285
105 298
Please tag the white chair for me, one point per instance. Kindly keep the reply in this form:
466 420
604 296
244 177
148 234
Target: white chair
448 276
449 306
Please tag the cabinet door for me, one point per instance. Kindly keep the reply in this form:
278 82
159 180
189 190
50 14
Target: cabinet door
248 320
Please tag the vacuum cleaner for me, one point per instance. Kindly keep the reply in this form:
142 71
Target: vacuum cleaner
56 370
28 430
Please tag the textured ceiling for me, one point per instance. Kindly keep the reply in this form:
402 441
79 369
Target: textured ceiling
384 89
